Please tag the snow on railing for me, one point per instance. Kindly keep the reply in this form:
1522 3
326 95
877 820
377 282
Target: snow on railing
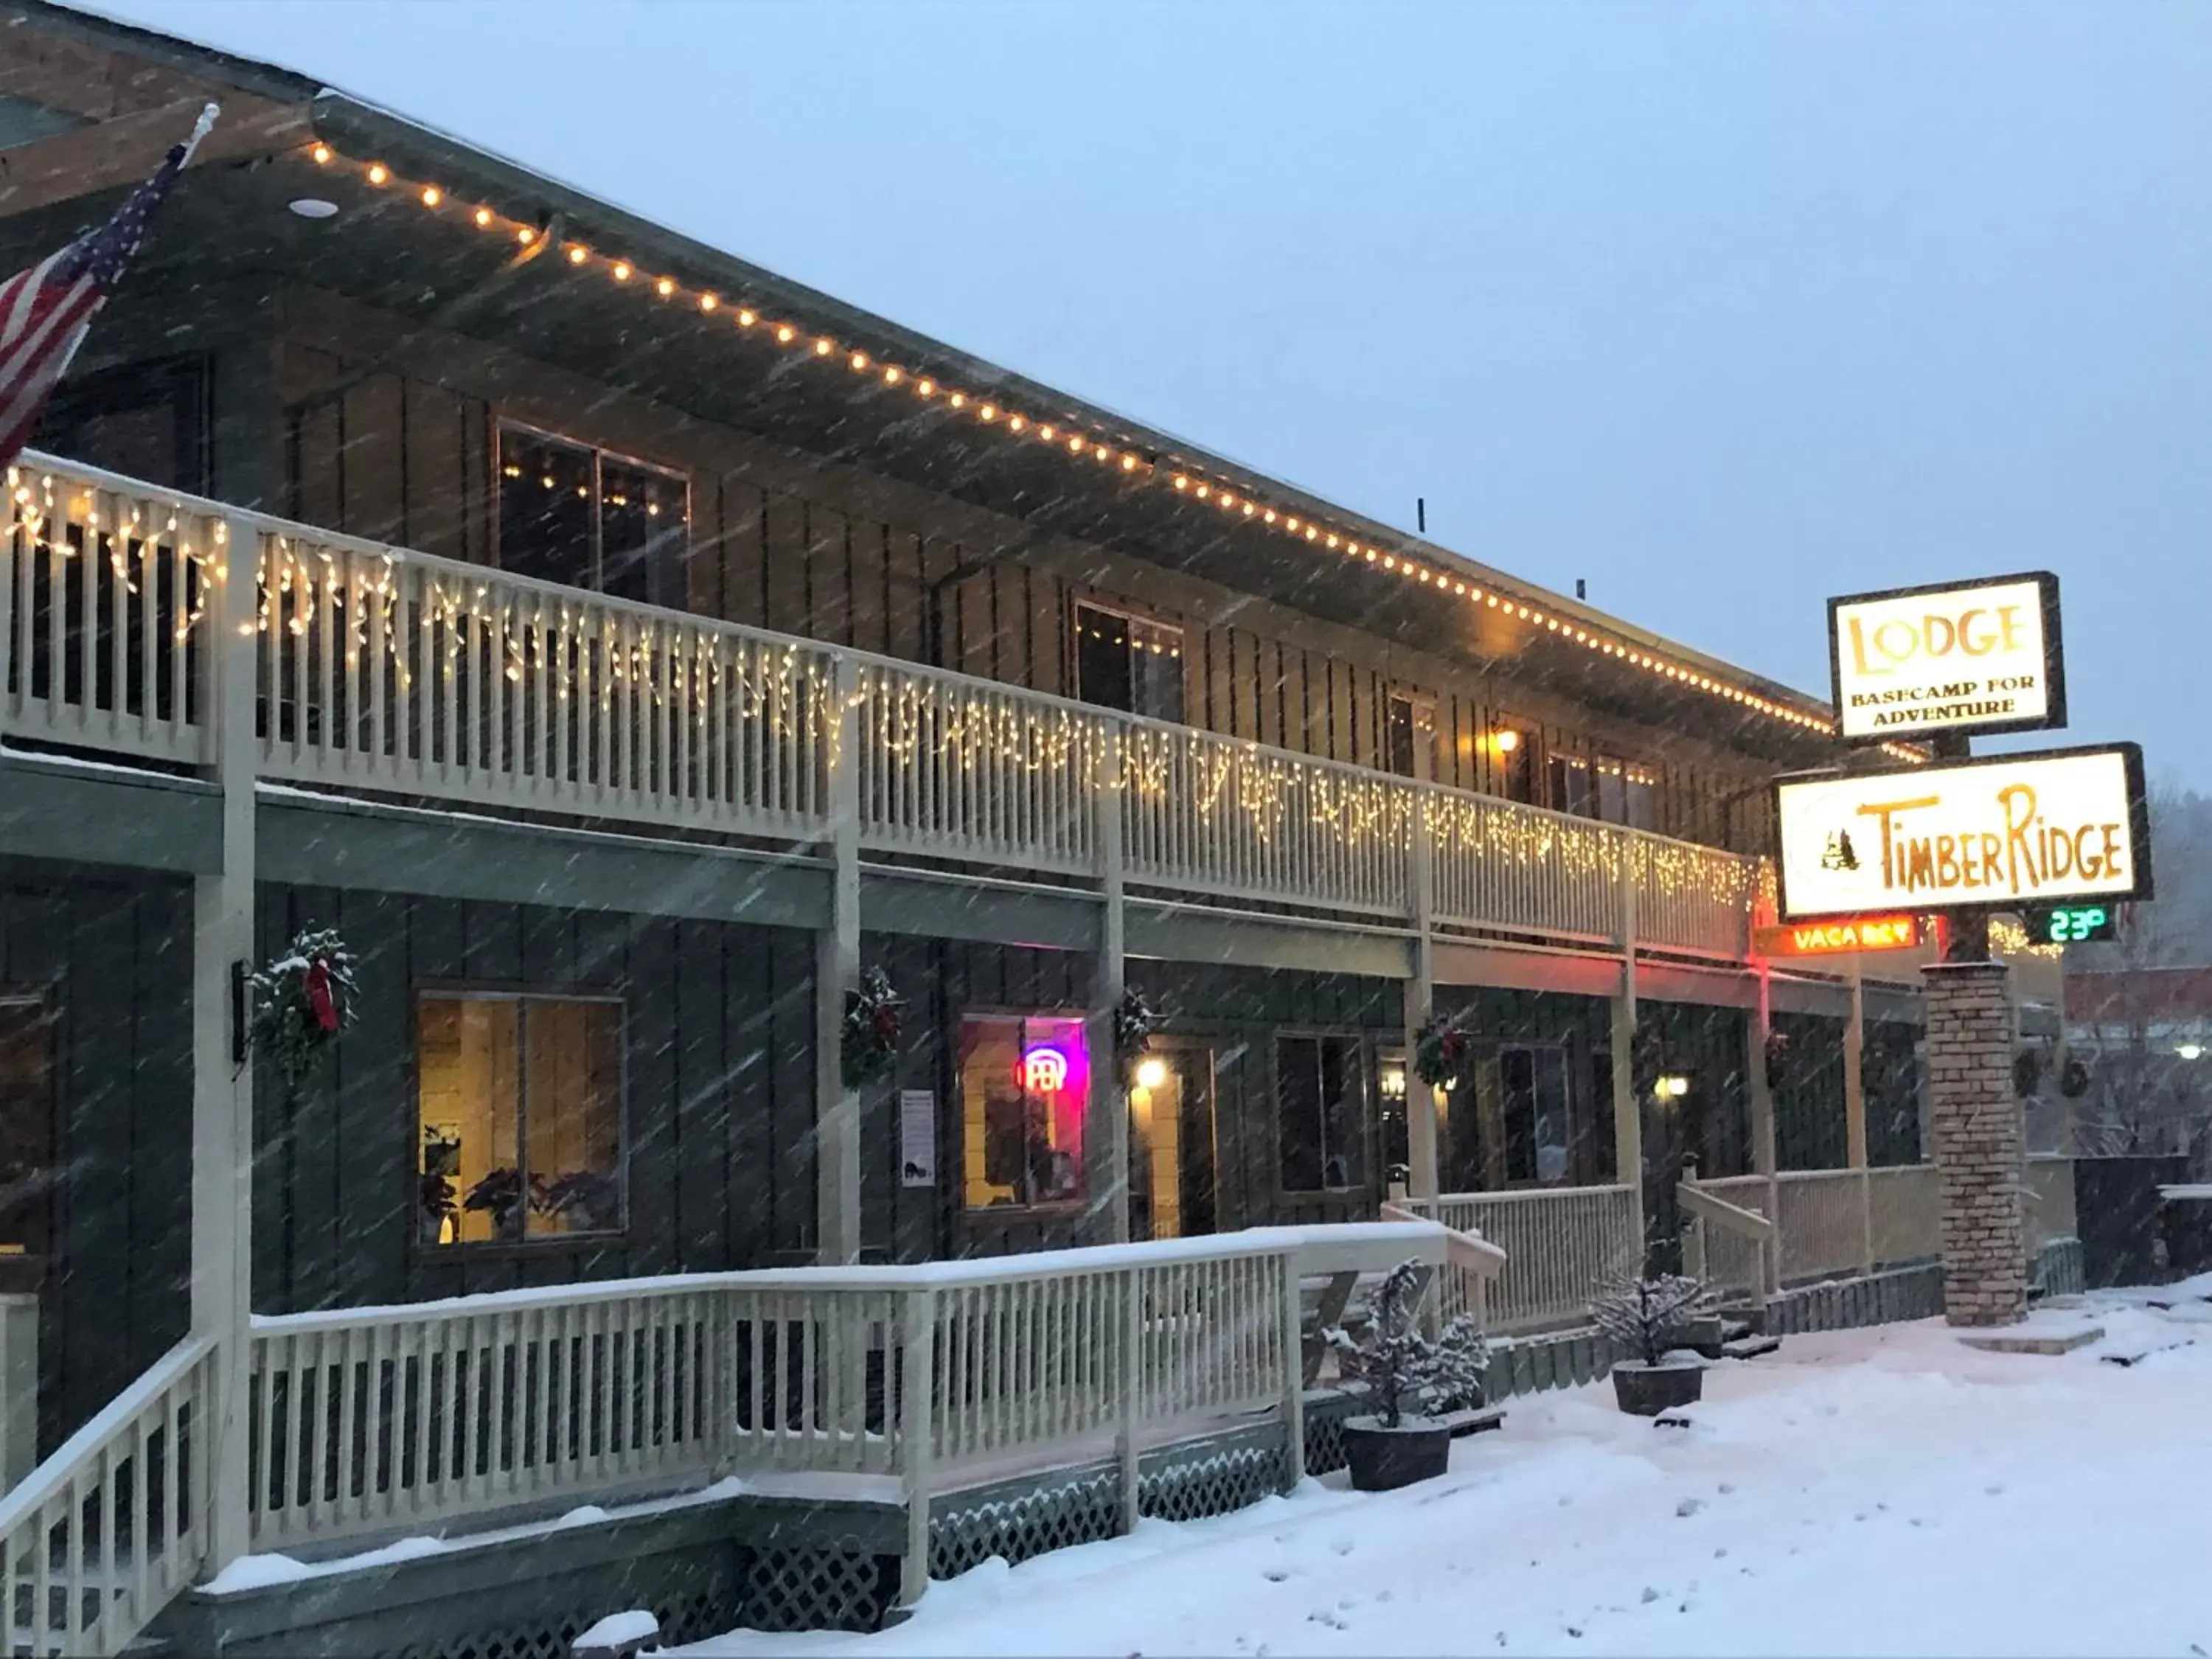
382 669
389 1418
105 1531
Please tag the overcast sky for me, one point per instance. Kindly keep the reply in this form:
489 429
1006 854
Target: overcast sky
1724 308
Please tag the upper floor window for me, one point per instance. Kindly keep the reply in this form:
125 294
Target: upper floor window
1127 663
587 517
520 1116
1409 728
1615 791
143 420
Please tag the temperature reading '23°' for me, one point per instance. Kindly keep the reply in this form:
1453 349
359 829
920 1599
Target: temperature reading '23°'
2071 924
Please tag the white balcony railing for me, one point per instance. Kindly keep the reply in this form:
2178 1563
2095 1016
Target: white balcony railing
383 670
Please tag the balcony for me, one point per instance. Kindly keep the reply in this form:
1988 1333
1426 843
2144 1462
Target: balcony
383 672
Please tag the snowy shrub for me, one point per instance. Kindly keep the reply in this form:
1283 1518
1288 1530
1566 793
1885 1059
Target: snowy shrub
1400 1365
1645 1317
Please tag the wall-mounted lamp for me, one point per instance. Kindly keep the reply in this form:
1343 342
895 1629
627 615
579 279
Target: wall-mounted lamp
1151 1073
1394 1082
1673 1086
2191 1050
1505 740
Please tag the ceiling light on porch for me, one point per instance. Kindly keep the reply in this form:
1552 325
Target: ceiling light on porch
2191 1050
313 207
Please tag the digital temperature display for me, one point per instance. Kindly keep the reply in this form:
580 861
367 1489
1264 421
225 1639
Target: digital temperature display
2071 924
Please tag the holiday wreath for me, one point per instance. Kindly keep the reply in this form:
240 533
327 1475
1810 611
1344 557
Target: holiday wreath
869 1039
302 1002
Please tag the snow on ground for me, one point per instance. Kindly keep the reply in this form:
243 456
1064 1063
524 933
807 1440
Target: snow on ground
1874 1491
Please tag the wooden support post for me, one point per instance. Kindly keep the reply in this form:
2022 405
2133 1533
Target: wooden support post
837 973
1765 1151
1855 1119
1294 1377
1107 1138
1627 1103
917 1429
1132 1389
223 1076
1421 1114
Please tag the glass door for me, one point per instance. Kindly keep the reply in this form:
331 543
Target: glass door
1171 1166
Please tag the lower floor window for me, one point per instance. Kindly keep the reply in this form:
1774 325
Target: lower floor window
1320 1091
1024 1086
521 1119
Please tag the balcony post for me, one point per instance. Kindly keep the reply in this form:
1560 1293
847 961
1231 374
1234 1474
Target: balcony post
1106 1139
837 972
1627 1102
1421 1115
1855 1123
1764 1160
223 1077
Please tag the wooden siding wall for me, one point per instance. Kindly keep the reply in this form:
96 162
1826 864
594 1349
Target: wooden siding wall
111 958
718 1050
801 546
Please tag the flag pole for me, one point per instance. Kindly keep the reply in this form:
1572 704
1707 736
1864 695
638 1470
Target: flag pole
201 128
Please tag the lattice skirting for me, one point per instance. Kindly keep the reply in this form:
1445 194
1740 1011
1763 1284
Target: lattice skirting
1024 1517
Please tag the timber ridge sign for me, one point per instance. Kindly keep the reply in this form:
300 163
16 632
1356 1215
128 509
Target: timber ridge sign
1979 656
1999 832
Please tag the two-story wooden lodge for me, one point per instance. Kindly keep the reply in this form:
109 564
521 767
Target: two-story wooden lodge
624 648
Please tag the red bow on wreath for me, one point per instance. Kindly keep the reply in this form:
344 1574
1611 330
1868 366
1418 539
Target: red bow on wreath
887 1022
320 1003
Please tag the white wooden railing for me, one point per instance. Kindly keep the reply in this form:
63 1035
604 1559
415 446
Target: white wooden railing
1731 1242
383 670
1822 1218
1905 1213
112 1526
1560 1244
384 1420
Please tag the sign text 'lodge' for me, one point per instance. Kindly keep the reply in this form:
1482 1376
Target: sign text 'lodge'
2000 832
1962 657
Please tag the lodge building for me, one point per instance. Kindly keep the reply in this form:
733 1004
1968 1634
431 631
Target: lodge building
624 648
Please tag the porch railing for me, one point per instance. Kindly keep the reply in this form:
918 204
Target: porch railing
384 670
112 1526
382 1419
1560 1244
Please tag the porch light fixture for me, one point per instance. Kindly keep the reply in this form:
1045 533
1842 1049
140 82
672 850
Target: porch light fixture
1673 1086
313 207
1394 1082
1565 629
2191 1050
1151 1073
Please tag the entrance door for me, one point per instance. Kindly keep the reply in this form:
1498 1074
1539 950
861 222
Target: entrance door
1171 1169
27 1122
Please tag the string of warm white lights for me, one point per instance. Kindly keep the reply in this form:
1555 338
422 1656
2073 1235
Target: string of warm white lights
991 411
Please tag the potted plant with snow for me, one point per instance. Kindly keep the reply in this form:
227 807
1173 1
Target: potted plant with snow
1649 1319
1403 1370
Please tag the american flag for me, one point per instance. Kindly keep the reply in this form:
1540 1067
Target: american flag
45 310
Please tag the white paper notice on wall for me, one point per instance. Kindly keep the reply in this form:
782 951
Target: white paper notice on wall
917 1138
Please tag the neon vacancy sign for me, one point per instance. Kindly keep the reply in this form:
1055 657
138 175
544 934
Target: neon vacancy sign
1044 1069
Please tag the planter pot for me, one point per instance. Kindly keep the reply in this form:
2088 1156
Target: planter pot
1383 1460
1647 1390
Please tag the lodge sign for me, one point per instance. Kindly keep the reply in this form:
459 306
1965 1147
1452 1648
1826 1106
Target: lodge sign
1960 657
1999 833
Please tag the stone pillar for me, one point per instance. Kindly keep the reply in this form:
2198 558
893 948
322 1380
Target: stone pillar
1977 1142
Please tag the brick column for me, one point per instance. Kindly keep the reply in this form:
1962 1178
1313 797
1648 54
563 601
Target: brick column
1978 1144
